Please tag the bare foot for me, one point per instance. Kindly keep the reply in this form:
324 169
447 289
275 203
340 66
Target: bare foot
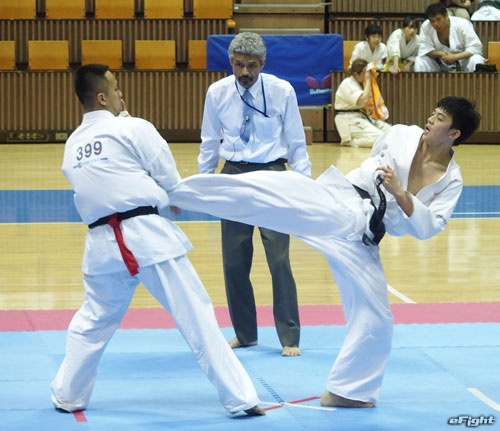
255 411
290 351
235 343
331 400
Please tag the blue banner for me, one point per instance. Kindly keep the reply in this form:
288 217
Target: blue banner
305 61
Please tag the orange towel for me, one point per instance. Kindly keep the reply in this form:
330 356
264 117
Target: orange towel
376 105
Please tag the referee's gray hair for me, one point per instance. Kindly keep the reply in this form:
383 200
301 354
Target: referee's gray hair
247 43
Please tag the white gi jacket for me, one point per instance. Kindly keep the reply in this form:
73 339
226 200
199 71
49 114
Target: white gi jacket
433 205
362 50
462 38
109 174
397 45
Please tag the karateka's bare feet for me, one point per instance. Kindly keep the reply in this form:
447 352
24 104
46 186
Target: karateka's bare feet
290 351
331 400
255 411
235 343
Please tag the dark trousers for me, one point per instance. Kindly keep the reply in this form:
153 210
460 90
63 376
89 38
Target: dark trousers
237 254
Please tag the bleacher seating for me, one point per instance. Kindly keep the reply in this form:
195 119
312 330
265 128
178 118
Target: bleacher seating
103 51
197 54
348 48
494 53
203 9
155 54
18 9
7 55
164 9
24 23
114 9
67 9
48 54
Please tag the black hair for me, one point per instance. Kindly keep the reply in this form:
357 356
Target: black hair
373 29
464 116
435 9
411 21
89 80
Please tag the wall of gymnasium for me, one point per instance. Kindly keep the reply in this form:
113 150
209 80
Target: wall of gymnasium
39 106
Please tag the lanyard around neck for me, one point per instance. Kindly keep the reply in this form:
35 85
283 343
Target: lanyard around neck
264 112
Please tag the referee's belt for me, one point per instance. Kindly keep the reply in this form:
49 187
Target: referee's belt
280 161
125 215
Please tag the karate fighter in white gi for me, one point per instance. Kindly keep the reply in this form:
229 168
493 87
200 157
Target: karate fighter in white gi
420 185
121 170
447 43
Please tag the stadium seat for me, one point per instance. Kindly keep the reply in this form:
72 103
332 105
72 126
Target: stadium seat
18 9
7 55
48 54
197 54
348 48
203 9
494 53
103 51
67 9
165 9
114 9
155 54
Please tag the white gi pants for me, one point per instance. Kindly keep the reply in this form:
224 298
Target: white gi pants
356 130
424 63
329 215
177 287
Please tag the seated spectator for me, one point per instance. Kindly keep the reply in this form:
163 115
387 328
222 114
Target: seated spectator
459 8
354 126
447 43
372 48
489 10
402 47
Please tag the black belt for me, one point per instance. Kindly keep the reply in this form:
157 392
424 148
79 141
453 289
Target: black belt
125 215
377 226
242 162
342 111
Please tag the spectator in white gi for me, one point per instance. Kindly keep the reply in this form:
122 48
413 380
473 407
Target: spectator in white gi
372 48
458 8
411 174
121 171
489 10
355 127
447 43
402 47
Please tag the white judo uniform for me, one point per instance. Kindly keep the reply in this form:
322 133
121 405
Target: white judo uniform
398 46
378 56
355 128
489 10
328 214
462 38
116 164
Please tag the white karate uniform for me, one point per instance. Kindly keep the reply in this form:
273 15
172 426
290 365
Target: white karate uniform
462 38
115 164
378 56
355 128
328 214
398 46
487 11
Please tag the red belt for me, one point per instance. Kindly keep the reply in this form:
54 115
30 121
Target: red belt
114 220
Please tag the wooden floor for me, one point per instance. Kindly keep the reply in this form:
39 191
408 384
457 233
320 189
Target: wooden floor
40 262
